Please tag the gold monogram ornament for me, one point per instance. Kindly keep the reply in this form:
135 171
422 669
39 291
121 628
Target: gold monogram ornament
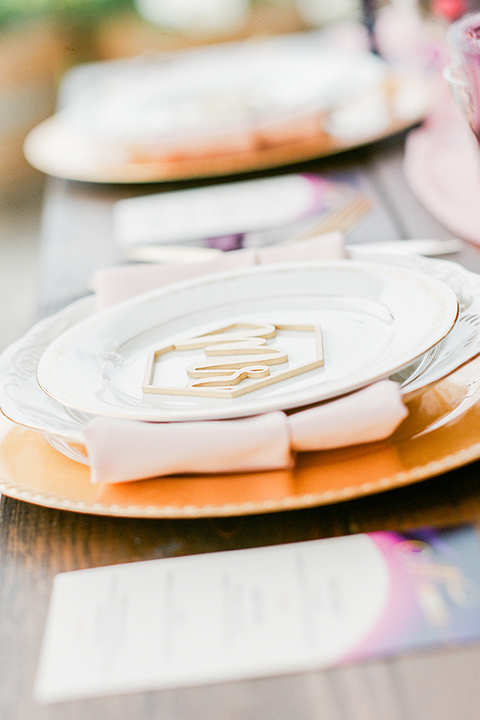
245 354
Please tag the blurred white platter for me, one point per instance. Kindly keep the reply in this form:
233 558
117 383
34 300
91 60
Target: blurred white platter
375 319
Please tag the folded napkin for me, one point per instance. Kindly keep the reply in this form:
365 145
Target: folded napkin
442 166
124 450
113 284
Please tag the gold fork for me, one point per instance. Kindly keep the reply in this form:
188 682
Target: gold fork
340 218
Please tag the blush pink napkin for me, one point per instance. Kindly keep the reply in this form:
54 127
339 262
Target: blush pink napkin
117 283
125 450
442 166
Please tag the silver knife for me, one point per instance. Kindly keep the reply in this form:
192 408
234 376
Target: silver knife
407 247
188 253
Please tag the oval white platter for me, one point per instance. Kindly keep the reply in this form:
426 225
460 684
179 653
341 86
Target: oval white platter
375 319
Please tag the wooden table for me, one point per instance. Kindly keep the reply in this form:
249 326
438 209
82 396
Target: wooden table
37 542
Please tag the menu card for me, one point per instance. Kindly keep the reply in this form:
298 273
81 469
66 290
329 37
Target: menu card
230 215
223 616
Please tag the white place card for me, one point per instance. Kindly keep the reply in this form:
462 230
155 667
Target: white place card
224 616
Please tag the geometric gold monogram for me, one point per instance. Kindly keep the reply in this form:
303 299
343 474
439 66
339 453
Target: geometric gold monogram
234 353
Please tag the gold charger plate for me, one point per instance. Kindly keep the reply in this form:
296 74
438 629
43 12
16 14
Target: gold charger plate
49 149
442 432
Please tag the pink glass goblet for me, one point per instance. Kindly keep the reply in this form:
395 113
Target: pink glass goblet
463 74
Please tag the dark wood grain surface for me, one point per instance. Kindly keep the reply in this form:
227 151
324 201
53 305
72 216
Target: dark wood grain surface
36 542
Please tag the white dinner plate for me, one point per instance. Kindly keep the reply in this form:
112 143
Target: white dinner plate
374 318
21 399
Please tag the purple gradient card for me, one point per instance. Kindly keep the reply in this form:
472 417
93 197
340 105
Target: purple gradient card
433 591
